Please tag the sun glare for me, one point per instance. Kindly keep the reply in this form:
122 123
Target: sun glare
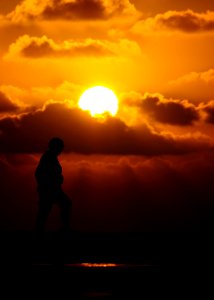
99 100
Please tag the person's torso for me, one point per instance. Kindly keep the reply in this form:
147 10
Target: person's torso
49 171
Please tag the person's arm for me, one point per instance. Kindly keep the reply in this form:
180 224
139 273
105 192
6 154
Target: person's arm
41 172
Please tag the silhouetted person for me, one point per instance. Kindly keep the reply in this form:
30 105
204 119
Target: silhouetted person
49 179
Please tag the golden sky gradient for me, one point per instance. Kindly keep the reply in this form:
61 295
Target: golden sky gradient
156 56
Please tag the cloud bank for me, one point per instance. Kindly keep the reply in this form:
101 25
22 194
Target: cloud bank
29 133
186 21
30 10
6 105
43 47
124 194
169 111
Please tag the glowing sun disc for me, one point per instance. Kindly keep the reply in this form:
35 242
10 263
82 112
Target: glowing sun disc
99 100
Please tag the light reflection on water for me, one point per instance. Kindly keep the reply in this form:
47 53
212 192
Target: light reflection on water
107 265
98 265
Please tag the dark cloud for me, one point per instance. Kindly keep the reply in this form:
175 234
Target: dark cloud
43 47
82 9
171 112
6 105
141 194
208 109
37 50
174 112
170 193
16 185
38 47
71 10
210 116
187 21
84 134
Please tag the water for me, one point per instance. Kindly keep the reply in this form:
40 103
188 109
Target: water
101 266
101 280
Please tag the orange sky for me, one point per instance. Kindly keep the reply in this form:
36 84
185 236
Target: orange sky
53 50
156 56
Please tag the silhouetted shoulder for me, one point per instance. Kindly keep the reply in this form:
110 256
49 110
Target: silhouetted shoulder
47 159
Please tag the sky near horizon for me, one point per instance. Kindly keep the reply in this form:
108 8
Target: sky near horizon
157 57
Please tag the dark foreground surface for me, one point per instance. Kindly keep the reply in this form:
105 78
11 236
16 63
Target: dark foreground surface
105 266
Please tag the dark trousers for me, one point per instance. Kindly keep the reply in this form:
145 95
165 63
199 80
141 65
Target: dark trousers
47 198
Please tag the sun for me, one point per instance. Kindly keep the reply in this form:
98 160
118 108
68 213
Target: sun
99 100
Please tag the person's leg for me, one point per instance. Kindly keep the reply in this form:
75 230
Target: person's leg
65 207
43 212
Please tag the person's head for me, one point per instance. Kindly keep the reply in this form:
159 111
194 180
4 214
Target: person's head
56 145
